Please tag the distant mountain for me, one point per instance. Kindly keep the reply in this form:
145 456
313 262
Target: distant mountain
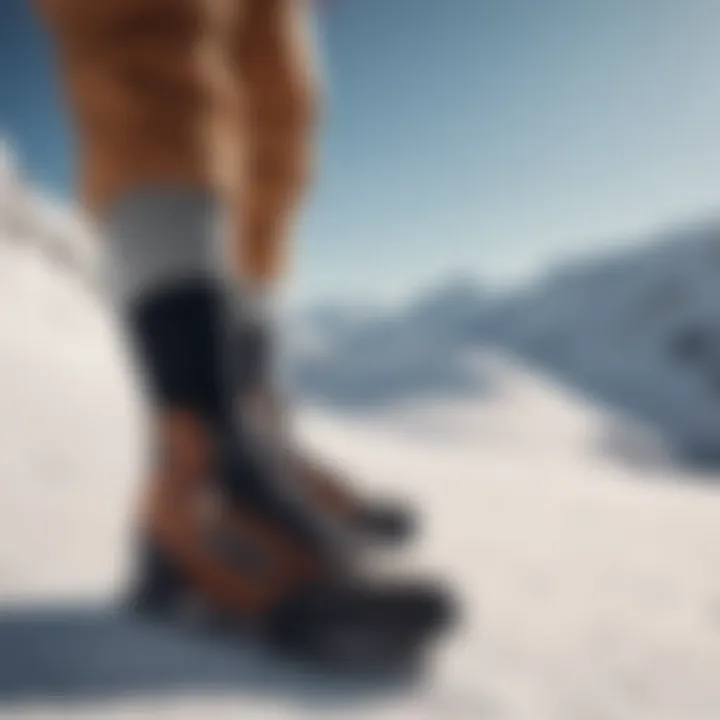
414 351
638 331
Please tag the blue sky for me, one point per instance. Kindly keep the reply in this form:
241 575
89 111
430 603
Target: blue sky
466 136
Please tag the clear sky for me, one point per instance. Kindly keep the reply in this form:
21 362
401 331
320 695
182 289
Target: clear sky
481 136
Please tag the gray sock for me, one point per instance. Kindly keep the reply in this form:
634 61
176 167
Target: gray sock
160 237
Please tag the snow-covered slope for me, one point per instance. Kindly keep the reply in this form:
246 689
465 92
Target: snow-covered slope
590 586
589 589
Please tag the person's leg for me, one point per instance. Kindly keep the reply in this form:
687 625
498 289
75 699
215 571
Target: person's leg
155 105
157 120
274 60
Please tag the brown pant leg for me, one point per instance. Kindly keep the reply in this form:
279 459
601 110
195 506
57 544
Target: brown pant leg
273 62
150 89
155 102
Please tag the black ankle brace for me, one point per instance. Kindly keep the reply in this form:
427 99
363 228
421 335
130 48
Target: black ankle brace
177 335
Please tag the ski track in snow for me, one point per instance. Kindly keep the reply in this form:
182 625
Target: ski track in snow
589 587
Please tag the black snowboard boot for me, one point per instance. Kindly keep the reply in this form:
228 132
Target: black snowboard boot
285 569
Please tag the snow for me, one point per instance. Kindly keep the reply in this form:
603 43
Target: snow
585 555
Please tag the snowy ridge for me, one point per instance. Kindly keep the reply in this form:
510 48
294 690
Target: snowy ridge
28 217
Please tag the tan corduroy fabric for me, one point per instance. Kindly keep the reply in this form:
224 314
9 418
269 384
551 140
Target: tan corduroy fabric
203 93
